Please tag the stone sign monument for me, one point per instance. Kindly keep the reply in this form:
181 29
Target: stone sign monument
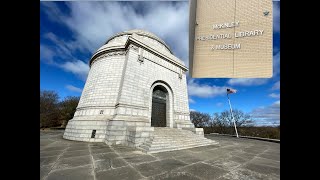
136 95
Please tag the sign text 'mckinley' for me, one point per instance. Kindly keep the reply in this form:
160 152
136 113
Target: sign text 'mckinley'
226 25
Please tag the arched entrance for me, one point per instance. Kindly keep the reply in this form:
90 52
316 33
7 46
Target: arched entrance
159 107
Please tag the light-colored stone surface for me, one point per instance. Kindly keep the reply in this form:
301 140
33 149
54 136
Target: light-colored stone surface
233 158
118 92
171 139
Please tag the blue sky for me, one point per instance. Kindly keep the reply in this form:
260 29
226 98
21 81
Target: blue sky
70 32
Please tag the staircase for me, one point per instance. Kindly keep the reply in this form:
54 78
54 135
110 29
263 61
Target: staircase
170 139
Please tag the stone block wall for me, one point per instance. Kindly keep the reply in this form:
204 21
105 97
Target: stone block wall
101 90
138 135
138 79
117 97
128 133
82 130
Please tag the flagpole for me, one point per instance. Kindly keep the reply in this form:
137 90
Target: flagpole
234 122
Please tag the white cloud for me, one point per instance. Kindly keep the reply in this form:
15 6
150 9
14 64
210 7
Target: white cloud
248 81
276 86
192 110
191 101
92 23
267 116
77 67
219 104
52 10
274 95
73 88
50 54
46 54
61 45
204 90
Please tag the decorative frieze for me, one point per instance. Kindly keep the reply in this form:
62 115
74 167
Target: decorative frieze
166 64
107 54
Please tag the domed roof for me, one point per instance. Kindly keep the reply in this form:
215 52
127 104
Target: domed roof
141 33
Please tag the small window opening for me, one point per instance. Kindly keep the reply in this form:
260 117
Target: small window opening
93 133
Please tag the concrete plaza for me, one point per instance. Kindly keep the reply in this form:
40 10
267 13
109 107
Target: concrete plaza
232 159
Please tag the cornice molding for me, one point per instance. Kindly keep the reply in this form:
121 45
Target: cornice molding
107 54
134 43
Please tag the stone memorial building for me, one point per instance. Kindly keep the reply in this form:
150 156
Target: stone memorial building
136 95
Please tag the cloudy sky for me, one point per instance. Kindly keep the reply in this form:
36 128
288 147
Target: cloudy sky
70 32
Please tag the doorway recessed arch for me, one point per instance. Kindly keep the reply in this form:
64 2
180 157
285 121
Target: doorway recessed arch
161 95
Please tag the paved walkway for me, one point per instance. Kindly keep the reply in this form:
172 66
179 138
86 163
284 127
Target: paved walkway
232 159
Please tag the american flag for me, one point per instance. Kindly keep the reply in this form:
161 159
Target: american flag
230 91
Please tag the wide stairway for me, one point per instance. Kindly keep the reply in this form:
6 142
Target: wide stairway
170 139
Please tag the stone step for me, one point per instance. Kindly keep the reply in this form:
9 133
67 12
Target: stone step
181 148
175 135
164 149
177 141
170 139
177 138
156 146
174 131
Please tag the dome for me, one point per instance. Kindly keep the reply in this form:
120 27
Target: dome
141 33
148 39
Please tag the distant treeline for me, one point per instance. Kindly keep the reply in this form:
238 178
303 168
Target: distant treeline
222 123
55 113
254 131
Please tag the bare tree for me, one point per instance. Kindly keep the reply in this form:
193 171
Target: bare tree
224 121
67 109
48 108
241 118
221 122
200 119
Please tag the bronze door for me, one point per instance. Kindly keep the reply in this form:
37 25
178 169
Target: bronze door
158 118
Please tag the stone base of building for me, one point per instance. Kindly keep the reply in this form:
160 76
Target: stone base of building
81 130
182 124
129 133
171 139
197 131
112 132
